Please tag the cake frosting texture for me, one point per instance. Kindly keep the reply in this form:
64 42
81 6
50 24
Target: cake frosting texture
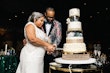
74 12
74 40
75 26
74 47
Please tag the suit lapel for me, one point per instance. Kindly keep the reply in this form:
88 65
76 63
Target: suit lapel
51 29
44 28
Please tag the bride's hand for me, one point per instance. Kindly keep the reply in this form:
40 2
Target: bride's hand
49 52
50 48
55 45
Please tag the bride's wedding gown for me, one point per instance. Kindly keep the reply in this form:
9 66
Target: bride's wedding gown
32 57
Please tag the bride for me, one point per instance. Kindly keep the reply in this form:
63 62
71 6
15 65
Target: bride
32 54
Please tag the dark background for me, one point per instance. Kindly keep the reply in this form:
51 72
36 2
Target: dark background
95 17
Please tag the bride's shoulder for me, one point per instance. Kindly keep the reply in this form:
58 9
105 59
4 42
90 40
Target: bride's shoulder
29 23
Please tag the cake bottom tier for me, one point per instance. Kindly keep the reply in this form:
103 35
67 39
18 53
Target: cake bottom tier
76 56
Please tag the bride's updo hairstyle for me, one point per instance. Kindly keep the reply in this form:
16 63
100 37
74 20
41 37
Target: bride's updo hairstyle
35 16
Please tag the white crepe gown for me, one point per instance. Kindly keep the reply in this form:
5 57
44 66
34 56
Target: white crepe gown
32 57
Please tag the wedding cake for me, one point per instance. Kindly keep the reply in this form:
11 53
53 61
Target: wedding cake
74 48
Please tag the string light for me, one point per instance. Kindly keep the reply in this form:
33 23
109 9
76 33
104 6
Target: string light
91 16
16 16
22 12
98 12
9 19
106 8
85 3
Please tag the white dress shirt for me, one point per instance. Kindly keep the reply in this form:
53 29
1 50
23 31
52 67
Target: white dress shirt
48 26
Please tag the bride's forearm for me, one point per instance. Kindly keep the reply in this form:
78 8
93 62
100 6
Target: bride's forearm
37 41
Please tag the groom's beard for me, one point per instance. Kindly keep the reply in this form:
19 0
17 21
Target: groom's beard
50 22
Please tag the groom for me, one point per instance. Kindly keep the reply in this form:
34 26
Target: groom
53 29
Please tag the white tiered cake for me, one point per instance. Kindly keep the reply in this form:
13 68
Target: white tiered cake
74 48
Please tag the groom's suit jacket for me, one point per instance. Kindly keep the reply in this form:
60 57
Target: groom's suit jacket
55 33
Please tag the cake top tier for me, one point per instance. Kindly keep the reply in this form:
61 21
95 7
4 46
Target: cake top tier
74 12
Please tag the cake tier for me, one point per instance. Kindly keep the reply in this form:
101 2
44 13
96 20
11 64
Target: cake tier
74 47
75 26
76 56
74 40
74 12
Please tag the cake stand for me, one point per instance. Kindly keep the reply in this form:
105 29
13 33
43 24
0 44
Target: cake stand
62 61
